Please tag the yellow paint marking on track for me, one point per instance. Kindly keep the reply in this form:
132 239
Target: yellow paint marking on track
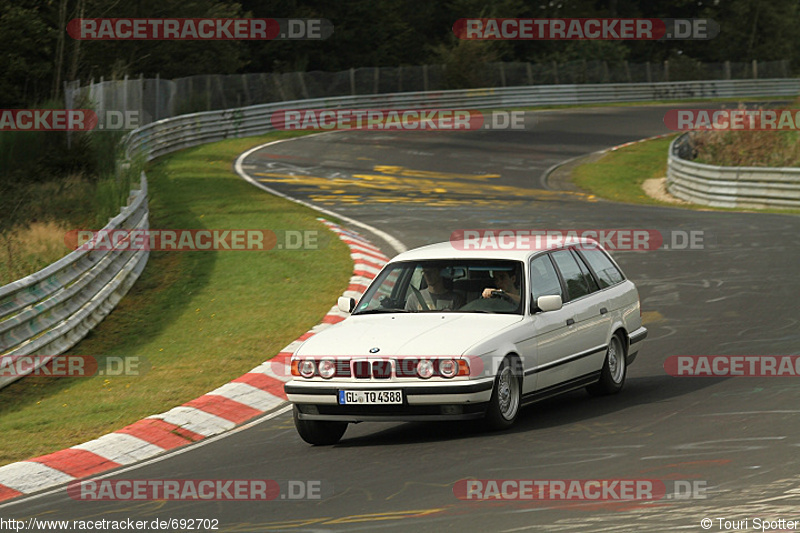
401 185
392 515
652 317
411 173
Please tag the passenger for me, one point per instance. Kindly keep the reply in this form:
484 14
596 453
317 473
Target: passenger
435 297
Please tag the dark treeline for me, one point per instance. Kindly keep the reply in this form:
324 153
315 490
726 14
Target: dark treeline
38 54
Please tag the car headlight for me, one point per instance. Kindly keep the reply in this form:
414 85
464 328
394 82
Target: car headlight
448 368
425 368
327 368
307 368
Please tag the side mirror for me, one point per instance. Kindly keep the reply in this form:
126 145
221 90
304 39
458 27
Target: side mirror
549 303
346 304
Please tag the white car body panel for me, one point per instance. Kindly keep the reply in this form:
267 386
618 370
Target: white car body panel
555 355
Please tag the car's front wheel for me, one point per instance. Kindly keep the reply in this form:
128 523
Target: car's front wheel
612 377
319 432
506 395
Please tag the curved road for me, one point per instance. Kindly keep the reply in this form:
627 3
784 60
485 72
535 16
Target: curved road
736 439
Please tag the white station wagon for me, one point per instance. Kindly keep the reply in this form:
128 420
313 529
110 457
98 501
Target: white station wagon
444 333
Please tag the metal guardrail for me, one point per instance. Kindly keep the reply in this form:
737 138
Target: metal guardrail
45 314
169 135
48 312
748 187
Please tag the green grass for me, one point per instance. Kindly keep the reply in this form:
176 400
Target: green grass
195 319
619 175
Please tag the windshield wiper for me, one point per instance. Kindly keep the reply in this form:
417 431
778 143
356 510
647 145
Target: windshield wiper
379 310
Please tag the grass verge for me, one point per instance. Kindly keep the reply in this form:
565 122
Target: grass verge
619 175
195 320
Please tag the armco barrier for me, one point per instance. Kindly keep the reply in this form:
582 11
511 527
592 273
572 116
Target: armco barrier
169 135
48 312
748 187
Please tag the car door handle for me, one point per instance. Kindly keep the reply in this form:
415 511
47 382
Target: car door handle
603 310
570 321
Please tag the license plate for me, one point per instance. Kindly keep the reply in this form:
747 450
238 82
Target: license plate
369 397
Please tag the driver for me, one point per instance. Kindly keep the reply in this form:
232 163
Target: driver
506 283
435 297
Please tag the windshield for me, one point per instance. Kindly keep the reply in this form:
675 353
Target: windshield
464 286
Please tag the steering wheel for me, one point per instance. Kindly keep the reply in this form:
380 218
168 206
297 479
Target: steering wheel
502 294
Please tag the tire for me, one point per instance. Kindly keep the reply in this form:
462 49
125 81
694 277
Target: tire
615 368
506 397
319 432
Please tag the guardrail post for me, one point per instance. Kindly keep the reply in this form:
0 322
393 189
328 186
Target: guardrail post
530 72
666 70
755 69
555 72
727 70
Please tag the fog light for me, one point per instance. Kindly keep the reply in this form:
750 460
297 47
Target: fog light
307 368
425 368
327 368
448 368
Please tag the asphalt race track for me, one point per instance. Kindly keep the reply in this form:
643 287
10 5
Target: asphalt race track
735 439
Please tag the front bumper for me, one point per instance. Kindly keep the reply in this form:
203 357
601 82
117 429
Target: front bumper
317 400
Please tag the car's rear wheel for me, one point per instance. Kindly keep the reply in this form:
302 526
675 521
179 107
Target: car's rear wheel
319 432
506 397
612 377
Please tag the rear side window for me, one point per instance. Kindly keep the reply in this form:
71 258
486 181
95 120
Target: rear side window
607 273
571 272
585 271
544 280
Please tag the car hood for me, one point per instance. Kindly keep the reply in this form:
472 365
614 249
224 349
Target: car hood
404 334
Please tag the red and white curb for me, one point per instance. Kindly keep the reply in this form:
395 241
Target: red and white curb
246 397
